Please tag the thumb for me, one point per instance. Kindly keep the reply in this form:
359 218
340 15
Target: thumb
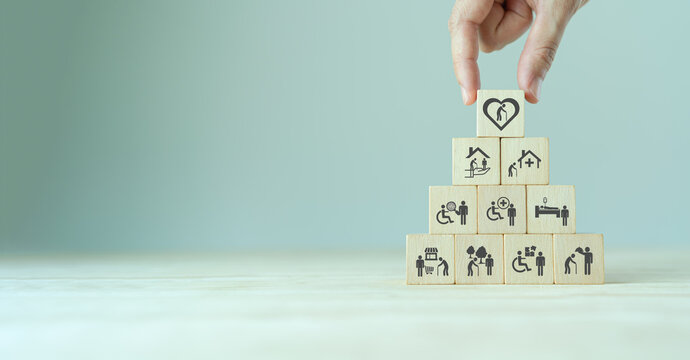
539 53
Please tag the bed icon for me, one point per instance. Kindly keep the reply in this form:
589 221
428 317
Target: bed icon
546 210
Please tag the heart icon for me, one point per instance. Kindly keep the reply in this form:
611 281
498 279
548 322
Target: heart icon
501 118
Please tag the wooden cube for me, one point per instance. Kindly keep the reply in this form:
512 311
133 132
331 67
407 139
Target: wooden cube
430 259
479 259
501 209
525 161
476 161
500 113
579 258
551 209
452 209
528 259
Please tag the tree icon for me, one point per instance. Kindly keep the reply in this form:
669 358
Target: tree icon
470 251
481 254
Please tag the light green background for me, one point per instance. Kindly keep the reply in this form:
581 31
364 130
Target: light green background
204 125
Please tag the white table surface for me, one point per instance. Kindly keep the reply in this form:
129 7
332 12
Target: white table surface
331 305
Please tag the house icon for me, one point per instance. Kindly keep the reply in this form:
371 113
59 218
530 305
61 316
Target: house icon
474 150
529 158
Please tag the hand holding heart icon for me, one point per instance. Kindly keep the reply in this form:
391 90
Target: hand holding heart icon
501 112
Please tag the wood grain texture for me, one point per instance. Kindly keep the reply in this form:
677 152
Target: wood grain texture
477 266
297 304
489 197
476 161
488 128
531 250
525 161
452 209
586 252
551 209
427 258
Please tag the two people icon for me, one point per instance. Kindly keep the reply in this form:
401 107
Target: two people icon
421 266
588 258
450 207
489 263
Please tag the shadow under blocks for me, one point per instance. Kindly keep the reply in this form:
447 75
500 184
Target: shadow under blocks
501 222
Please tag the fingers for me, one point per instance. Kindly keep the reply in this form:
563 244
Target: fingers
463 27
504 24
540 49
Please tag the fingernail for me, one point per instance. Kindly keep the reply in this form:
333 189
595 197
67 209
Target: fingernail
536 87
465 97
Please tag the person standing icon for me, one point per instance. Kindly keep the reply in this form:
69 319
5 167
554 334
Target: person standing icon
484 164
420 266
501 113
541 262
445 266
589 259
512 212
489 264
569 261
564 214
473 164
472 263
463 210
512 170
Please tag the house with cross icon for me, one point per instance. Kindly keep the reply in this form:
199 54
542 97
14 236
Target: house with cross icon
529 158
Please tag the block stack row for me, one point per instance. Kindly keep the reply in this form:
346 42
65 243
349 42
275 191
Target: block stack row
501 222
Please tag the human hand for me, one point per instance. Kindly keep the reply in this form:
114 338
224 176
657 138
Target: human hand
490 25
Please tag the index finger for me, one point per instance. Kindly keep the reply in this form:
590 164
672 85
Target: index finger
464 39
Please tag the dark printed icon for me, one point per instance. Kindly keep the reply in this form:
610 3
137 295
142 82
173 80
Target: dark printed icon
425 265
528 159
588 258
450 207
431 254
562 213
569 261
480 254
495 211
489 265
541 262
521 266
501 112
520 262
474 169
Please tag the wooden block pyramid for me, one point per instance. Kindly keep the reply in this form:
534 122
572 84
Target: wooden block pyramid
501 222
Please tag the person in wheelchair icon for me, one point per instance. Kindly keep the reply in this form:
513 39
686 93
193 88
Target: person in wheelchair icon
521 265
445 209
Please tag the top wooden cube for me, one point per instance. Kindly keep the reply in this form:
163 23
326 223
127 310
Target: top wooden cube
500 113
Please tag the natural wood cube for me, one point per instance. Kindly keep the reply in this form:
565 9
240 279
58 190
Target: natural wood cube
430 259
525 161
479 259
551 209
501 209
452 209
476 161
579 258
528 258
500 113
